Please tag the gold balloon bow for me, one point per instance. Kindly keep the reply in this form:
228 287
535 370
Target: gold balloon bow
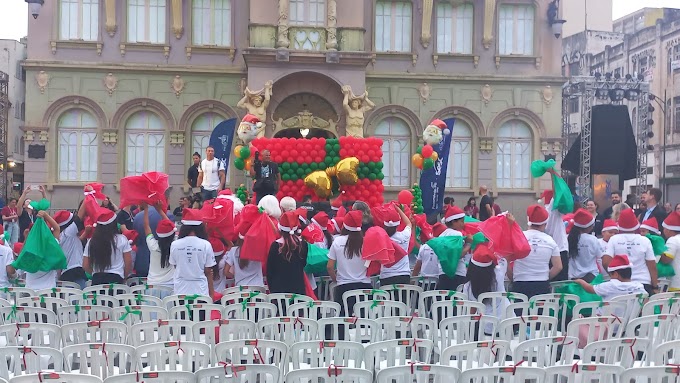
345 171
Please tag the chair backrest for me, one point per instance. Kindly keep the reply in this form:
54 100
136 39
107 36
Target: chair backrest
655 328
592 329
502 375
136 314
31 335
86 313
525 309
658 374
664 284
499 301
466 328
64 293
379 308
241 289
254 311
343 328
70 285
11 294
600 373
42 301
406 294
418 373
622 351
99 359
315 309
239 373
397 352
323 287
668 305
406 327
215 331
158 291
173 356
428 298
181 300
601 308
288 330
55 377
94 332
425 283
352 297
544 352
475 354
138 299
135 281
243 296
520 329
252 351
447 309
18 360
160 331
564 301
283 301
332 375
111 289
91 298
196 312
22 314
634 304
154 377
665 353
326 353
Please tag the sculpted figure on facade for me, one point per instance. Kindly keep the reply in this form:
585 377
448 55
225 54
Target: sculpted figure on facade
256 103
355 107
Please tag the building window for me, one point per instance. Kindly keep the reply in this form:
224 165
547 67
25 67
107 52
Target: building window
454 28
676 117
460 157
145 144
211 22
513 156
573 105
77 150
393 26
79 20
200 134
308 12
146 21
516 30
396 149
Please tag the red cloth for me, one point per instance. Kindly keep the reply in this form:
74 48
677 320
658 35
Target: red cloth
97 189
309 291
219 219
507 241
380 213
378 249
259 239
471 228
312 234
149 187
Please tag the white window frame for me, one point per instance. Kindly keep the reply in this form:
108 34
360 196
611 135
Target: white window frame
149 134
79 20
388 22
516 30
395 177
308 13
155 19
514 153
86 140
455 28
200 136
206 18
459 168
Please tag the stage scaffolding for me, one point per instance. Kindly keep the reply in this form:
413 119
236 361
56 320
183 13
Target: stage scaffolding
4 127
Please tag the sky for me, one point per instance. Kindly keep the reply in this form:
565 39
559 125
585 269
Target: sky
14 18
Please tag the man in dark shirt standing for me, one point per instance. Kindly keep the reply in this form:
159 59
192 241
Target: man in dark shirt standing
616 199
192 174
485 205
266 175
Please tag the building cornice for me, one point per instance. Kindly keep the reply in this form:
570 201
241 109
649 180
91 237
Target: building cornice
130 67
550 80
279 56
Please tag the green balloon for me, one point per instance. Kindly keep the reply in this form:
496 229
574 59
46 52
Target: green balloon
313 166
285 177
372 176
300 172
336 159
294 165
420 150
245 153
285 166
428 163
371 165
328 147
239 163
336 147
381 176
379 164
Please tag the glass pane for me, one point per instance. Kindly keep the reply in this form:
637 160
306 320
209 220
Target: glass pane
383 26
443 28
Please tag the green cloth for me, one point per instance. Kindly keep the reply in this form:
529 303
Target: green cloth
448 250
478 239
41 250
658 243
468 219
576 289
562 199
664 270
317 259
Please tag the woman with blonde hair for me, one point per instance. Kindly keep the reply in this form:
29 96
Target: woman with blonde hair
617 209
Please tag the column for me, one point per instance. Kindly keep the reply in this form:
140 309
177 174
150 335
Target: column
282 40
331 26
426 35
111 17
177 26
489 13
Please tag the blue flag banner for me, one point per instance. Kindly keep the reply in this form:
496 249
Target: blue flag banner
222 139
433 180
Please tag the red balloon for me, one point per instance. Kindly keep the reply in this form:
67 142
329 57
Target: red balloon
373 200
278 159
299 182
405 197
294 153
427 151
343 152
365 158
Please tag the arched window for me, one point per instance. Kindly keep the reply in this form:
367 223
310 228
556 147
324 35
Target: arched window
201 129
77 151
513 156
145 144
396 149
460 156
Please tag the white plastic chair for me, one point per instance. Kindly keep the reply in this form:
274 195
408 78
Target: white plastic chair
659 374
31 335
623 352
55 377
138 299
656 329
157 291
135 314
93 299
17 361
173 356
428 298
42 301
352 297
496 298
425 283
379 309
418 373
94 332
246 373
544 352
667 353
64 293
503 375
11 294
22 314
196 312
315 309
600 373
87 313
475 354
99 359
111 289
406 294
252 351
465 329
68 284
160 331
323 285
135 281
283 301
354 329
154 377
563 301
397 352
254 311
592 329
288 330
634 304
181 300
246 289
406 327
668 305
239 297
601 308
215 331
447 309
330 375
525 309
325 354
519 329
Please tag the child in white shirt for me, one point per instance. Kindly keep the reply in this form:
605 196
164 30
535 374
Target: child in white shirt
620 271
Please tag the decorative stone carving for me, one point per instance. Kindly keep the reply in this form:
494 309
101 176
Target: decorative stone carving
305 120
177 27
475 61
177 85
44 136
282 27
486 144
489 20
177 139
426 35
487 93
355 107
256 103
42 79
331 26
414 59
424 91
547 94
29 136
110 137
111 83
110 23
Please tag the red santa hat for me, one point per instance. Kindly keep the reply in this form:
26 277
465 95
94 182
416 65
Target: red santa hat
392 218
337 202
583 219
18 246
353 220
441 125
288 222
252 120
627 221
192 217
453 213
438 228
312 234
619 262
224 193
547 196
131 235
341 212
165 228
301 213
62 217
609 224
107 217
537 215
652 225
483 257
217 246
321 219
672 222
337 224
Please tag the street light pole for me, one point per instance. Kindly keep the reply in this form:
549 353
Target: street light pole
664 132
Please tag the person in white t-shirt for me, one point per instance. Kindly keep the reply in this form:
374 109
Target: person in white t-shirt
7 271
531 275
193 257
245 272
400 272
220 251
211 175
620 284
609 229
638 249
69 240
454 219
107 254
671 230
161 272
584 249
427 264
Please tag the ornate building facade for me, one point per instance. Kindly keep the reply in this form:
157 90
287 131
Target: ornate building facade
117 88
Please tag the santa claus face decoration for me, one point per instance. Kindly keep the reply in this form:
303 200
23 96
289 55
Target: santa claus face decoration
432 135
247 132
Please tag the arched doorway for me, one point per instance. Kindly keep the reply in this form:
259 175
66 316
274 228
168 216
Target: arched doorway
305 115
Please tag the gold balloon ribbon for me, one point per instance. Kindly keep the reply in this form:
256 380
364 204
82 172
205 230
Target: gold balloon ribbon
345 171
